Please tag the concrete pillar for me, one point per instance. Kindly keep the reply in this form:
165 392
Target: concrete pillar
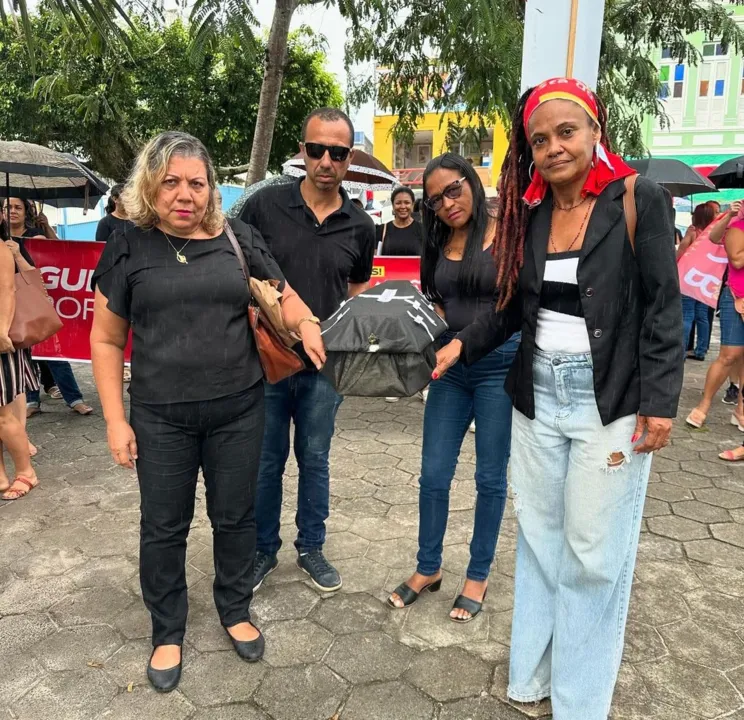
562 38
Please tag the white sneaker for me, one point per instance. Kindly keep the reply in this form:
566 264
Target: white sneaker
391 399
472 427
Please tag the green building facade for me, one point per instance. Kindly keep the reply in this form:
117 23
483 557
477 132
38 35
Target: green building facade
705 105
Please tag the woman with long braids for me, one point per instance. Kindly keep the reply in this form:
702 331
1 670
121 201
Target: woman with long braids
595 386
458 275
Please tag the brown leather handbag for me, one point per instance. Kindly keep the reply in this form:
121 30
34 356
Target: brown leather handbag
35 318
273 340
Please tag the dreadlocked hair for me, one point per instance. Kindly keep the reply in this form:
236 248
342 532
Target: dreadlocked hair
512 214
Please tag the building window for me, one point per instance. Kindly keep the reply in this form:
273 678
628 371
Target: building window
711 100
711 50
672 79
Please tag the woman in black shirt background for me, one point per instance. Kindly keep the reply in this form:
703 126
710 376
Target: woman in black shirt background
402 235
197 385
458 274
115 217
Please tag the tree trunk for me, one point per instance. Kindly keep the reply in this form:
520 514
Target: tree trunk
276 55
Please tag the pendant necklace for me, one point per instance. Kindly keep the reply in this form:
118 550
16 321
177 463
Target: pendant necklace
551 241
179 253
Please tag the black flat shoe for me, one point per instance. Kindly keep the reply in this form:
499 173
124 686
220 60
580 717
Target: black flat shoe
409 596
471 606
249 650
164 681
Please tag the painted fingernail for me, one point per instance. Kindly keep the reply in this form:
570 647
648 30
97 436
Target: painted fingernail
635 438
435 376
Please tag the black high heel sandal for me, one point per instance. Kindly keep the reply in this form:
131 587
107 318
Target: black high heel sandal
164 681
471 606
409 596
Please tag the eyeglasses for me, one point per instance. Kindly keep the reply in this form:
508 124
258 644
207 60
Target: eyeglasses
452 191
316 151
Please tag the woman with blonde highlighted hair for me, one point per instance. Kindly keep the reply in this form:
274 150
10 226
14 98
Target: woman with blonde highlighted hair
196 390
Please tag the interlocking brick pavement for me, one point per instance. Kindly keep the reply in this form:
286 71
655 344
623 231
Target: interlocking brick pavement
74 633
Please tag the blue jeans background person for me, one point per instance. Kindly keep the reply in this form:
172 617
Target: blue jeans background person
64 379
696 313
309 400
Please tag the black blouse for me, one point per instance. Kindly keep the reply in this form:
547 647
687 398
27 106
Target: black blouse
190 335
27 233
109 224
460 311
400 241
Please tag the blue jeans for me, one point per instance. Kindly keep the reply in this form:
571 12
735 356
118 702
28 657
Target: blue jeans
578 493
696 313
64 378
309 400
461 395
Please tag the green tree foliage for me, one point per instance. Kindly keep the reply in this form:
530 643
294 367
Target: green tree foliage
478 48
102 100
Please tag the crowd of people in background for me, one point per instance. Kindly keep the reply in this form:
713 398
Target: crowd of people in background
565 354
725 228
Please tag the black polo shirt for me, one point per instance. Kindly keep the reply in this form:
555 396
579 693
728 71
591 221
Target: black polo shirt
318 260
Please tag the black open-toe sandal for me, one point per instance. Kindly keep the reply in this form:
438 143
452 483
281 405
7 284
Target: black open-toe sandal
471 606
409 596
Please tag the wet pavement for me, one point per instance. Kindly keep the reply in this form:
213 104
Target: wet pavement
74 633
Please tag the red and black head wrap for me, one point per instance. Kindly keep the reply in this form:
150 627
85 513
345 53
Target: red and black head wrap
606 166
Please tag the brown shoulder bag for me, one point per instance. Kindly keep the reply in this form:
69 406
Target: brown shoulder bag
629 206
35 318
273 340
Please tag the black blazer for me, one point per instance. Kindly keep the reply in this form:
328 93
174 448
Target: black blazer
631 303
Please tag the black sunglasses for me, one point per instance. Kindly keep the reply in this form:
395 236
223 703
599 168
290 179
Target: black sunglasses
338 153
452 191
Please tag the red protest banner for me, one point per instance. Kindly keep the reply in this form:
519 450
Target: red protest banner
396 268
67 268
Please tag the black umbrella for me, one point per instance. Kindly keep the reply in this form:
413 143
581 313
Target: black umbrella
729 174
237 207
679 179
33 172
381 343
96 190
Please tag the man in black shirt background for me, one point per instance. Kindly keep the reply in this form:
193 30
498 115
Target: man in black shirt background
324 245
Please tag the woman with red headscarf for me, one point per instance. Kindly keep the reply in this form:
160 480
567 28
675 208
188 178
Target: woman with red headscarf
595 385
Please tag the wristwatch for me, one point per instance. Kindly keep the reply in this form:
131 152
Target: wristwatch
311 318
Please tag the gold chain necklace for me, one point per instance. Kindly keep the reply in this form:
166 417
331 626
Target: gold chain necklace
179 253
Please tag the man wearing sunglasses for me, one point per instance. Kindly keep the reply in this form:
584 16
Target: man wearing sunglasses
324 246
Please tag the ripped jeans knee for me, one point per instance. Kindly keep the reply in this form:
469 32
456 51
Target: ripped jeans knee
616 460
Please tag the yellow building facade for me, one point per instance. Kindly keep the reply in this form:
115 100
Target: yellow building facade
430 140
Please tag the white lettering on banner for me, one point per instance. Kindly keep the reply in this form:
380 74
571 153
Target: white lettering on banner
73 308
701 280
718 259
55 278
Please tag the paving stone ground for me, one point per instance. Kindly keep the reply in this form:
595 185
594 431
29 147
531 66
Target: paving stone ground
74 633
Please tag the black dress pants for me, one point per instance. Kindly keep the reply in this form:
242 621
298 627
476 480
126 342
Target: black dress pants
223 437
